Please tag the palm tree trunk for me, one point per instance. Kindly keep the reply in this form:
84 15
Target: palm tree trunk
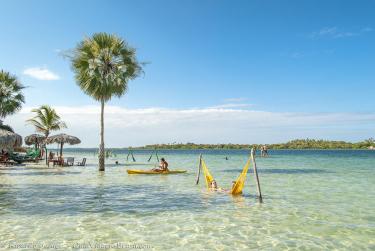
45 145
101 146
61 148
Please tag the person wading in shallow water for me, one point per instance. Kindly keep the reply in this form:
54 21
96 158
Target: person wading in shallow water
265 151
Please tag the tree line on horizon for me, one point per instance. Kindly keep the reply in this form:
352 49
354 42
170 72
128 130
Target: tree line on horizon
293 144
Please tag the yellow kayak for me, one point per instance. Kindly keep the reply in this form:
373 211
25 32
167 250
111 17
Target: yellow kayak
134 171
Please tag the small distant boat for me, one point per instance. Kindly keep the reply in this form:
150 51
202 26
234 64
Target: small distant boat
134 171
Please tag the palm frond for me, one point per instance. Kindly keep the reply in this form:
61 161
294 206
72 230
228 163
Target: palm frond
11 97
103 65
6 128
46 120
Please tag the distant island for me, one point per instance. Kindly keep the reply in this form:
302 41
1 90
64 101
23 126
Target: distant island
293 144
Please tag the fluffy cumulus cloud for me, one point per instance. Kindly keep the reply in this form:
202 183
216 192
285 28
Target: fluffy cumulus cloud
135 127
40 73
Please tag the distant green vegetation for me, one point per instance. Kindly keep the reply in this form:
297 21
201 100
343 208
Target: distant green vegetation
323 144
294 144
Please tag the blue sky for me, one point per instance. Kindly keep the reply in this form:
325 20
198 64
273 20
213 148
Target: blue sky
276 57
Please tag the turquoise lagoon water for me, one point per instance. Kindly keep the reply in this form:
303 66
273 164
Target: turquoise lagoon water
313 200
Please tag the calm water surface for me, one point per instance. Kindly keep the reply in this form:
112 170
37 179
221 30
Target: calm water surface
313 200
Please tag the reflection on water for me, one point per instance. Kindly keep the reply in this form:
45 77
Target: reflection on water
312 200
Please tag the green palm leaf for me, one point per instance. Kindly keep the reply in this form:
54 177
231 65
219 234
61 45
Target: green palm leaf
11 97
46 120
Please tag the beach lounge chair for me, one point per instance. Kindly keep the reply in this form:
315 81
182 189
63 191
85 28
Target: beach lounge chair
33 154
69 161
22 158
83 163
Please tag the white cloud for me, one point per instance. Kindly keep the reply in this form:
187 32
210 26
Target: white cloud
235 100
40 73
231 105
135 127
334 32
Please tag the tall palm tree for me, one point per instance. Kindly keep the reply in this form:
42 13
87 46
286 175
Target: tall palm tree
46 120
11 97
103 65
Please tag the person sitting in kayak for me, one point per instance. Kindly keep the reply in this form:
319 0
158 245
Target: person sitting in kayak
163 166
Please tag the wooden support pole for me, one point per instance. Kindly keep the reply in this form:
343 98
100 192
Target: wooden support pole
199 169
256 174
157 156
152 153
133 157
127 157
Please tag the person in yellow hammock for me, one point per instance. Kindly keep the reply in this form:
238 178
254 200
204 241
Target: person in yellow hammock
216 188
237 185
213 186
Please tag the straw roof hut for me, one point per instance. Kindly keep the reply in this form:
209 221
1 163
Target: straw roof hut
63 139
9 140
34 139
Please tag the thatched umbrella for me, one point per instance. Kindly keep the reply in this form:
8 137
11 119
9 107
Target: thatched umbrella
9 140
63 139
34 139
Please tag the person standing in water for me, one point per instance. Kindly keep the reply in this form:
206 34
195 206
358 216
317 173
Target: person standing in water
264 151
261 151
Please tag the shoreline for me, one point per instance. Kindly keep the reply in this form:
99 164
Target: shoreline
213 149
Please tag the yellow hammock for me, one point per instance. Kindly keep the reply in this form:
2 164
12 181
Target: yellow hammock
239 183
207 176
